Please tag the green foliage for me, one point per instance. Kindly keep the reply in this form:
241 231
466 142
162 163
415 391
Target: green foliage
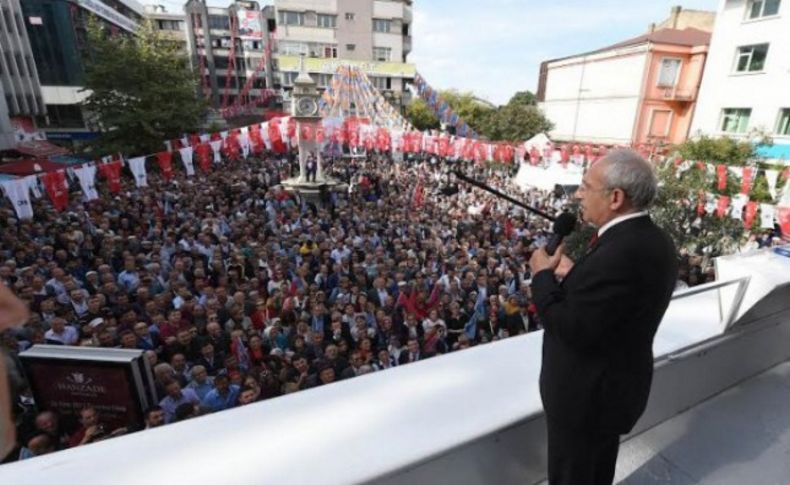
420 115
518 120
142 91
523 98
717 150
675 211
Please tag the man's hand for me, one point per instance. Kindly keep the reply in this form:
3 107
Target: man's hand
564 267
541 260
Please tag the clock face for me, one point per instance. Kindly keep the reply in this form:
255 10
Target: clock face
306 107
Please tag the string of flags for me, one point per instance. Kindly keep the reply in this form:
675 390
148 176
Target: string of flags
441 108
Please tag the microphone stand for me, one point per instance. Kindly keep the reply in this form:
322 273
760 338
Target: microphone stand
499 194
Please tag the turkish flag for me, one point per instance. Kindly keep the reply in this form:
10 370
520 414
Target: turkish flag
203 153
165 160
751 212
57 189
534 155
746 181
306 132
783 216
721 172
112 172
278 146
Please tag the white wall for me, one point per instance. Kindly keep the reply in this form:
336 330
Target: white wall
595 98
765 93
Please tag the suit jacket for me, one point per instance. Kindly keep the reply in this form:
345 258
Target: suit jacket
599 327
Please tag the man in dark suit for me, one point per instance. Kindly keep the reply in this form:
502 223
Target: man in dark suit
600 316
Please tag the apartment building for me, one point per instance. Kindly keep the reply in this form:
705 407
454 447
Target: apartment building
374 35
171 25
20 91
58 40
640 91
226 48
744 91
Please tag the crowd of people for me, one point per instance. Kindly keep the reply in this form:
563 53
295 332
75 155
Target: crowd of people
238 291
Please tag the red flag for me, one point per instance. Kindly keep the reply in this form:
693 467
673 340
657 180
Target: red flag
701 204
721 172
746 181
291 128
204 156
306 132
751 212
165 164
194 140
534 155
112 172
320 136
721 208
278 146
509 230
564 154
57 189
783 216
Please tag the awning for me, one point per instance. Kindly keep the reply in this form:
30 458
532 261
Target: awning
774 152
29 167
39 149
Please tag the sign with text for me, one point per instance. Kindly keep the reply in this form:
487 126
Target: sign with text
108 13
249 24
66 379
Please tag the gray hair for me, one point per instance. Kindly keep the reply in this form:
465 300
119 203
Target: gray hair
628 171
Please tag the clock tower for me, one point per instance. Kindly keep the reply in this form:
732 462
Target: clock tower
304 109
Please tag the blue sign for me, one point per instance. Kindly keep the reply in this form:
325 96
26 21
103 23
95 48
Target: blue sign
783 251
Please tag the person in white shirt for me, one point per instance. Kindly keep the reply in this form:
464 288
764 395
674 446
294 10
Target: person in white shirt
60 332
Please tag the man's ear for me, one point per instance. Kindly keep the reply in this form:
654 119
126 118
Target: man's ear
616 199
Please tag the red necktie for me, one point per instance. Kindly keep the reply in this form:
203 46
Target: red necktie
593 240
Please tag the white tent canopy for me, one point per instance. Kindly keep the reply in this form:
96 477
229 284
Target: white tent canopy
538 141
529 176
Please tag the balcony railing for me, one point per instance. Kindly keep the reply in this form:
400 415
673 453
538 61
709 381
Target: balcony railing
676 93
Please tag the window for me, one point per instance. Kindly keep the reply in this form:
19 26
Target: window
735 120
289 78
291 18
330 51
290 48
751 58
382 54
668 73
327 21
170 24
660 123
350 47
783 128
381 25
381 83
324 80
219 22
762 8
349 16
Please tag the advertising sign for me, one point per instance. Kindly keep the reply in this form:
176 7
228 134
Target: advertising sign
66 379
249 24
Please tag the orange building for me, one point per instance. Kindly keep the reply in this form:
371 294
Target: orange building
639 91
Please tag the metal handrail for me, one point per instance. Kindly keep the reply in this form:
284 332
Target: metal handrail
729 320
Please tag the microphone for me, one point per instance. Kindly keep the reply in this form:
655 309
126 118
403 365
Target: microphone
563 225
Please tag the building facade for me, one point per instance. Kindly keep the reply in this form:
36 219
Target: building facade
172 26
58 39
641 91
213 34
746 88
20 91
374 35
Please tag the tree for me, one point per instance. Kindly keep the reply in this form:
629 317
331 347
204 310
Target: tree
142 91
420 115
516 122
675 210
717 150
523 98
520 119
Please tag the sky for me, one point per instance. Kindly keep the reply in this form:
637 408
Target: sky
494 47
